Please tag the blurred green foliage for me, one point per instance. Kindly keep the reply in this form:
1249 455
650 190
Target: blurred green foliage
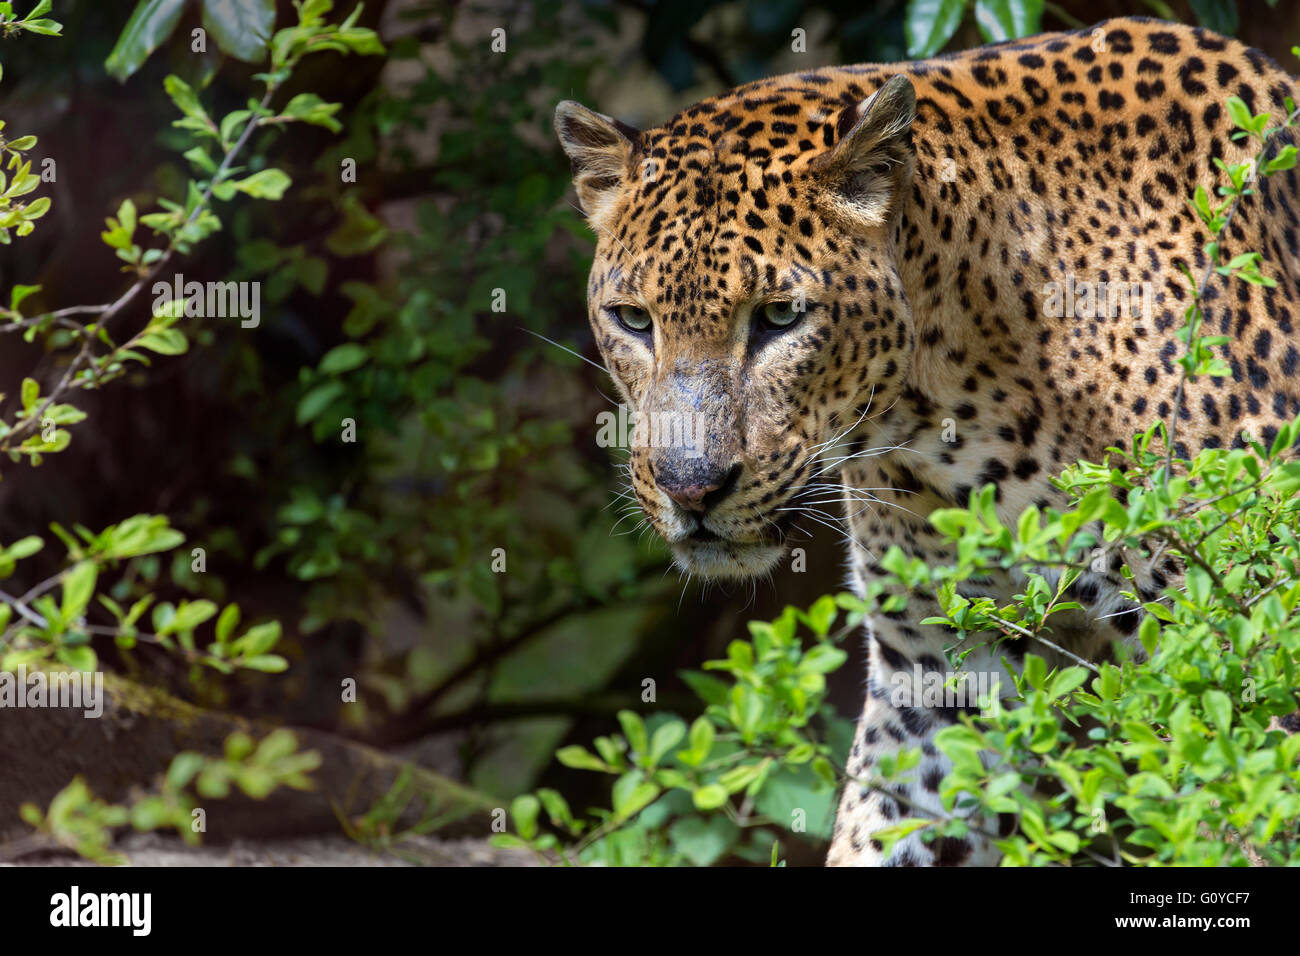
758 766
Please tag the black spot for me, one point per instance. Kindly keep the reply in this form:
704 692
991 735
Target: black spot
915 720
951 851
931 779
894 658
1026 467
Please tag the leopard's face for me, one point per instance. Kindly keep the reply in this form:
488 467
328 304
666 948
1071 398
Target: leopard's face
746 301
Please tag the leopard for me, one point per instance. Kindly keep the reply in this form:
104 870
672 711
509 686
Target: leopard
845 277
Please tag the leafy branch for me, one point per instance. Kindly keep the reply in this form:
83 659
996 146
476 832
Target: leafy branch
35 628
77 820
21 216
181 224
1199 358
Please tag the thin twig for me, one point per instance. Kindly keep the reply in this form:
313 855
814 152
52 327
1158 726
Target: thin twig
110 312
1199 292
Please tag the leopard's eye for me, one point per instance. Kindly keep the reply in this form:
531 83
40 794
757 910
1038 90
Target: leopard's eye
781 315
632 318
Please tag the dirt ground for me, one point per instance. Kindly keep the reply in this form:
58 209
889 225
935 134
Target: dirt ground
152 849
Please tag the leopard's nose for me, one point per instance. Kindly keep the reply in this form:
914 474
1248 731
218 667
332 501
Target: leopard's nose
699 489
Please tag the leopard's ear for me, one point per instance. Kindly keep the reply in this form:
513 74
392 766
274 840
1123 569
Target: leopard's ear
600 149
873 158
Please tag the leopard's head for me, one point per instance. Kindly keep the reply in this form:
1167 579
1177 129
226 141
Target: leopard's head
746 300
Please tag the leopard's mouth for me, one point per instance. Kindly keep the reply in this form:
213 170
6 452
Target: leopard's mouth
707 553
722 559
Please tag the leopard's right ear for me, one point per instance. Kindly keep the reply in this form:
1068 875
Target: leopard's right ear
600 149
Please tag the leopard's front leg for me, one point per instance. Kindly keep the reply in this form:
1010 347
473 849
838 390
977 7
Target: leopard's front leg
909 699
896 717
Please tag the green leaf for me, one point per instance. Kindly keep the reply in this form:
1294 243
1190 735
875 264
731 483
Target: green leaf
141 534
556 807
231 123
1219 706
703 840
65 414
78 658
49 28
193 613
1284 160
78 586
24 547
701 740
823 769
183 95
1035 671
708 688
1002 784
258 640
343 358
164 341
310 108
632 794
929 24
634 731
20 292
227 622
184 767
241 28
709 797
1066 681
524 810
737 778
1149 633
37 208
665 739
823 659
579 758
1239 112
200 158
266 663
311 405
266 184
1000 20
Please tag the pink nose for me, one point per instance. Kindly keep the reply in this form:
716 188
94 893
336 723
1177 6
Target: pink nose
697 489
690 497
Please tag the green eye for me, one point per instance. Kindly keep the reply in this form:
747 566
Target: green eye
781 315
632 318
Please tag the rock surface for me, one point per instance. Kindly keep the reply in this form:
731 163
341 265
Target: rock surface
130 746
152 849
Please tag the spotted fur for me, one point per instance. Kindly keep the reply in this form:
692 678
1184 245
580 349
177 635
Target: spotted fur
920 211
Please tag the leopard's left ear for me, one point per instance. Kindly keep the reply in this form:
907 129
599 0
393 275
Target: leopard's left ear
600 149
873 158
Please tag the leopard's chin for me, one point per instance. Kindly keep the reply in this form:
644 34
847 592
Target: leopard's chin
724 560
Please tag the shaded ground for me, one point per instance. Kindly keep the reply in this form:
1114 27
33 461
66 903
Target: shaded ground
152 849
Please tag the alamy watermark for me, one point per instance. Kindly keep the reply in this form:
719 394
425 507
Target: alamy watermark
223 300
78 690
131 911
1083 299
629 429
922 688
